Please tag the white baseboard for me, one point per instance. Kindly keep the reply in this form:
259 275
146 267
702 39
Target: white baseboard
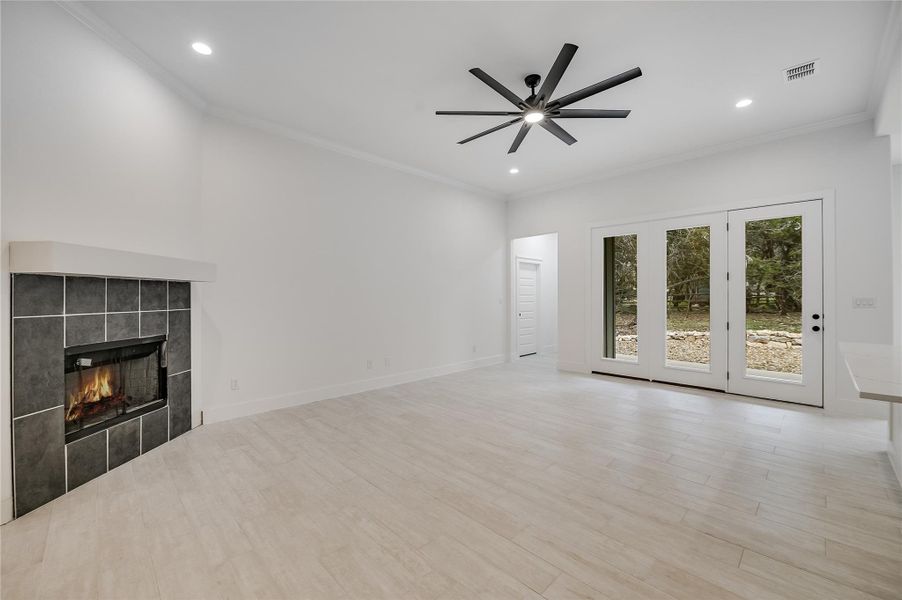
260 405
572 367
6 509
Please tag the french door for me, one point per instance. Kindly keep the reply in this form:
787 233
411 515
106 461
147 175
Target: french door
776 302
727 300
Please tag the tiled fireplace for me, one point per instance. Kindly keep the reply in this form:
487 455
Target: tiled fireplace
101 373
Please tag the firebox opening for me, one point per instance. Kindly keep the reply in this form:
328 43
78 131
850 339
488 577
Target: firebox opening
111 382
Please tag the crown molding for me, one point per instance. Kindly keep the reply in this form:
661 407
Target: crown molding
891 38
889 45
107 33
698 153
303 137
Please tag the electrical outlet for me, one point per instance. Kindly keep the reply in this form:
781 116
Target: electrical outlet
233 385
387 362
369 364
863 302
474 348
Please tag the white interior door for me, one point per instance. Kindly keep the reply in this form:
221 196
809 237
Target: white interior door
776 315
527 307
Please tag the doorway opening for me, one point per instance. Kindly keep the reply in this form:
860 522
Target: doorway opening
534 297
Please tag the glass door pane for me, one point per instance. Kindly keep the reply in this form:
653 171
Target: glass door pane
620 297
773 297
688 298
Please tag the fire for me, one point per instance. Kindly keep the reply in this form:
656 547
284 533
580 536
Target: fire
94 388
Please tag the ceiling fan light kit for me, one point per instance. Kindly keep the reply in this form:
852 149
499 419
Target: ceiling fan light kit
538 108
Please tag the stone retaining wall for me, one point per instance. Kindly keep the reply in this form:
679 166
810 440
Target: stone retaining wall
752 336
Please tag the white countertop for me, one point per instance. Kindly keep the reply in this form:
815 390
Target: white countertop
876 370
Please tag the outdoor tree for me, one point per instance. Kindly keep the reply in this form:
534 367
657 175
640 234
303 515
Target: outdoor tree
773 269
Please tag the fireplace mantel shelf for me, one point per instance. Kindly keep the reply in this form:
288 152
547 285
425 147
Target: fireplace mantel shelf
71 259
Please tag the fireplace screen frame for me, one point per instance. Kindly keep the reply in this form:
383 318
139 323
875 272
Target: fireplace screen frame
136 347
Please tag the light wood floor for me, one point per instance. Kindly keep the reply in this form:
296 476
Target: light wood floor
508 482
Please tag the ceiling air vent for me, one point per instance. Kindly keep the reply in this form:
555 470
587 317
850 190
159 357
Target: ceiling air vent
806 69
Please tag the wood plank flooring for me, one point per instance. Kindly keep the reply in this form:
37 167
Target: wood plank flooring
514 481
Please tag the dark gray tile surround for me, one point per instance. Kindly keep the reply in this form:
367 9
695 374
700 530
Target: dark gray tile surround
121 326
125 442
51 312
153 323
179 341
39 464
122 295
85 329
37 295
154 429
37 364
153 295
85 295
179 404
179 294
85 459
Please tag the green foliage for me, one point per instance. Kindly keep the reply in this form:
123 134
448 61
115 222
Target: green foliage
688 267
773 268
625 270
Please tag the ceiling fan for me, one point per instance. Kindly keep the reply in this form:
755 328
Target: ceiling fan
538 108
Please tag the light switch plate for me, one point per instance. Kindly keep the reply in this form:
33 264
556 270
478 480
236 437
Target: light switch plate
860 302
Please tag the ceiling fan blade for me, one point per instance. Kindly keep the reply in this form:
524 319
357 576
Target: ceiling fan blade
488 131
594 89
558 131
589 113
519 139
477 113
492 83
557 71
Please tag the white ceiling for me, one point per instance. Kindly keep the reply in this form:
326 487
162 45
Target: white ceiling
369 75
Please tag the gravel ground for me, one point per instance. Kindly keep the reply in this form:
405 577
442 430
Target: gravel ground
760 356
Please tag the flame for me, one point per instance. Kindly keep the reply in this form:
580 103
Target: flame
93 389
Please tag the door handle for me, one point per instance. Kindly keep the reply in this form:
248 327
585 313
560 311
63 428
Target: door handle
816 328
815 316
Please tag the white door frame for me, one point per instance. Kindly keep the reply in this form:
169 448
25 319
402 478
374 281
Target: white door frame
515 295
828 207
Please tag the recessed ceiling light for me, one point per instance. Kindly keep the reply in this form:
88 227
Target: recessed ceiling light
514 171
743 103
202 48
533 116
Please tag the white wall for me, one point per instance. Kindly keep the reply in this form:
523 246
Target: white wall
897 253
895 447
327 261
544 248
849 160
95 152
